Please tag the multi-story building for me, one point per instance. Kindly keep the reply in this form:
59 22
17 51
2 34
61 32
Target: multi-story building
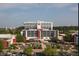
39 30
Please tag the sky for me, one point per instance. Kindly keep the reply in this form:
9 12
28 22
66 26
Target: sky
61 14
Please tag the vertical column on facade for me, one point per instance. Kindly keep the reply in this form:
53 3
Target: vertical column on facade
51 26
38 34
14 39
26 35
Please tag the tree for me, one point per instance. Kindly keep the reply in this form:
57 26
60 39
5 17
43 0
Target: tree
20 28
19 38
28 50
10 31
49 51
3 31
66 28
68 38
54 39
37 45
1 46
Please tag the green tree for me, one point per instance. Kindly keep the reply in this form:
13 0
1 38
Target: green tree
28 50
11 31
68 38
20 38
37 45
49 51
1 46
3 31
66 28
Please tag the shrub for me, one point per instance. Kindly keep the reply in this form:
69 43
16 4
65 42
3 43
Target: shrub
49 51
28 50
12 46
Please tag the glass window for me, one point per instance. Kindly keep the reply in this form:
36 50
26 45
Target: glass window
32 33
43 33
48 33
52 33
28 33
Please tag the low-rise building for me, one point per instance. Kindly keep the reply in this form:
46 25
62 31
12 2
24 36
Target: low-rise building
75 37
7 39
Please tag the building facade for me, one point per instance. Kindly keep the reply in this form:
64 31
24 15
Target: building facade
39 30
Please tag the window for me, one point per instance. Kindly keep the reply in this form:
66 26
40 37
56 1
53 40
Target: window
48 33
44 34
30 33
52 33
